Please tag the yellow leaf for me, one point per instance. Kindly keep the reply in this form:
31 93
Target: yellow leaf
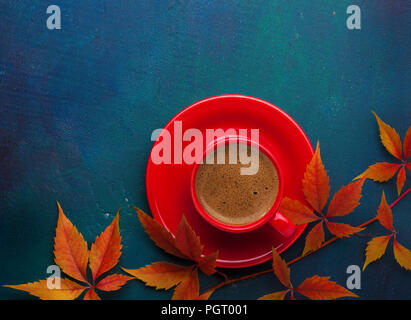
389 138
280 295
380 171
375 249
402 255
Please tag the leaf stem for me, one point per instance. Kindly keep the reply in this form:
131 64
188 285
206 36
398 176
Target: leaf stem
324 244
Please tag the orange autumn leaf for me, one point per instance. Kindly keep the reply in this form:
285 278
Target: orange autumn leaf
205 296
402 255
188 289
187 242
69 290
113 282
296 212
341 229
314 238
408 165
407 144
316 185
91 295
106 249
346 199
70 248
161 275
400 179
207 263
281 270
161 237
384 214
389 138
280 295
380 172
375 249
321 288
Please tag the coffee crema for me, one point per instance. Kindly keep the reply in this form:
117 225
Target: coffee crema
236 199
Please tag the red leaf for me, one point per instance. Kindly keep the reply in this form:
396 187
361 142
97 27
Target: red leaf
113 282
375 249
389 138
346 199
188 289
400 180
187 242
407 144
91 295
207 263
314 238
380 172
70 248
384 214
341 229
296 212
106 249
281 269
321 288
316 185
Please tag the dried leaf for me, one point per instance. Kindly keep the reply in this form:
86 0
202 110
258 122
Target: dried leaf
389 138
187 242
402 255
380 172
188 289
161 237
69 290
321 288
113 282
407 144
346 199
161 275
280 295
91 295
341 229
70 248
316 185
106 249
207 263
314 238
281 270
400 180
384 214
375 249
296 212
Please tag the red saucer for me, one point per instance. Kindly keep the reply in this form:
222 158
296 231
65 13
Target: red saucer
168 185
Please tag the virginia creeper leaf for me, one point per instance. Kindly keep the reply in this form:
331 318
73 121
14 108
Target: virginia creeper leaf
321 288
70 248
161 237
281 270
316 185
106 249
314 238
207 263
400 180
402 255
161 275
346 199
407 144
113 282
380 172
384 214
205 296
280 295
69 290
375 249
187 242
188 289
341 229
296 212
389 138
91 295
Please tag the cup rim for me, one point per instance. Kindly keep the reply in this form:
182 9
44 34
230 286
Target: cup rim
270 214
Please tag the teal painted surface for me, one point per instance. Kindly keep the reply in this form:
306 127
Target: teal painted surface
78 105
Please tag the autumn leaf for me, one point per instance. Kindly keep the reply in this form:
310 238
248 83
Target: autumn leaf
346 199
188 289
384 214
380 171
296 212
281 269
207 263
69 290
402 255
113 282
205 296
187 242
280 295
161 236
70 248
375 249
316 185
389 138
321 288
161 275
91 295
407 144
400 179
314 238
341 229
106 249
